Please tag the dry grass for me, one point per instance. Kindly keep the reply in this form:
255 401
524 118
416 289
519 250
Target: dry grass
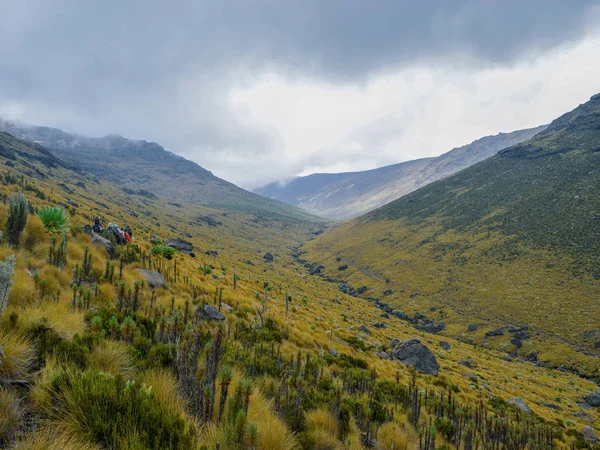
10 414
322 428
58 316
164 385
112 357
392 436
54 439
19 354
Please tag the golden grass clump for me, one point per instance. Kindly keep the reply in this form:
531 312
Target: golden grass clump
34 233
392 436
18 355
10 413
112 357
164 385
322 429
54 439
58 316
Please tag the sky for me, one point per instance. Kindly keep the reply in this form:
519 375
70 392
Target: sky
260 91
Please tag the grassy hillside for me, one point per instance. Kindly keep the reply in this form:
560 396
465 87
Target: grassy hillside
511 241
92 357
147 168
346 195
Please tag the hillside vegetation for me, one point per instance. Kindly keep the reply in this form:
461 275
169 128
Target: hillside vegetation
345 195
511 242
94 357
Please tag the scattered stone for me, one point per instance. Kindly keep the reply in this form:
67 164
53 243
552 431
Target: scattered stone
153 279
465 362
108 246
250 263
268 257
516 342
584 416
364 329
508 358
382 355
553 406
518 403
593 399
209 312
472 327
445 345
379 325
496 332
385 315
431 327
333 352
212 253
225 307
588 434
182 245
413 353
471 376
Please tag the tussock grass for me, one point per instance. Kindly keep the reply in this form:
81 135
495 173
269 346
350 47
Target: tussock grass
10 414
19 354
112 357
322 429
52 438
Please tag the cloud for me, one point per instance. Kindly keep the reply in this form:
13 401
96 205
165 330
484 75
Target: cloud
263 90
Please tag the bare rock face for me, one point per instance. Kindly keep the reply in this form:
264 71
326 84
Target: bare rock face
182 245
209 312
153 279
413 353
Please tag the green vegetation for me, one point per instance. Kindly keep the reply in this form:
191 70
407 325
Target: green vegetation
55 220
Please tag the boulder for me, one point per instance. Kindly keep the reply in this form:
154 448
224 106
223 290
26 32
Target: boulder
593 399
413 353
109 247
379 325
212 253
472 327
518 403
225 307
153 279
385 316
182 245
496 332
588 434
268 257
209 312
445 345
333 352
466 362
583 416
382 355
364 329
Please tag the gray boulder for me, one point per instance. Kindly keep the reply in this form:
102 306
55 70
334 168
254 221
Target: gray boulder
445 345
108 246
518 403
268 257
472 327
588 434
153 279
182 245
209 312
364 329
413 353
593 399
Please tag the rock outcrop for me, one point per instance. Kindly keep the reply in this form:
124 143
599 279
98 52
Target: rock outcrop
110 248
153 279
209 312
182 245
412 353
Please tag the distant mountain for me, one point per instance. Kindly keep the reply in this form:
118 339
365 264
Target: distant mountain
510 243
346 195
142 166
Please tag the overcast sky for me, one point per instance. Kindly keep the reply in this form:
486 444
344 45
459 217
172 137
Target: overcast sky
258 91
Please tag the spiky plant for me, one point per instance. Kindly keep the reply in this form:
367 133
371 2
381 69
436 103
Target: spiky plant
17 218
55 219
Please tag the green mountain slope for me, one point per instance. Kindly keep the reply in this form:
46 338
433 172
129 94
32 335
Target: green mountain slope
346 195
511 241
146 166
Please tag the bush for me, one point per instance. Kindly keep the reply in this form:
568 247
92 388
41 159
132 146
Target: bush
55 220
17 218
116 413
165 252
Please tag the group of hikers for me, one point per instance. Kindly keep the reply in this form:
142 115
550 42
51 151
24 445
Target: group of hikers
122 235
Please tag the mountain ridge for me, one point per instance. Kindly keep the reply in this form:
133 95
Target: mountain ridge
346 195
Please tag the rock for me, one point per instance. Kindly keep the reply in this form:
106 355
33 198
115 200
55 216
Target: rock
382 355
212 253
516 342
496 332
583 416
588 434
225 307
431 327
250 263
209 312
413 353
507 358
153 279
364 329
268 257
518 402
593 399
385 316
379 325
333 352
445 345
182 245
472 327
465 362
109 247
553 406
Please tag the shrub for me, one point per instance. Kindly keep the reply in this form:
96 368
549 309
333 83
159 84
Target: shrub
165 252
116 413
55 220
17 218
